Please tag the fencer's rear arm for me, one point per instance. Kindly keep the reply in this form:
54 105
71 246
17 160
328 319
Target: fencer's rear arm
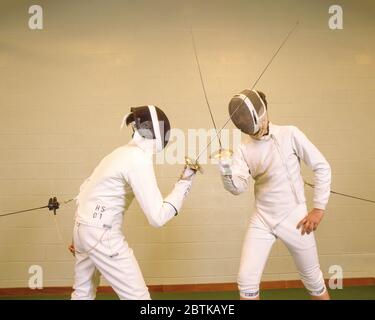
157 210
310 154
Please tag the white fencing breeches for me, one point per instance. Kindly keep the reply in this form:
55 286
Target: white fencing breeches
105 252
258 243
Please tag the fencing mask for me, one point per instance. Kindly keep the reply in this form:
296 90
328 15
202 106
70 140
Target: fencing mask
151 123
248 111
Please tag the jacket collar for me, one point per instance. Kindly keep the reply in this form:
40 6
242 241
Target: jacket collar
271 131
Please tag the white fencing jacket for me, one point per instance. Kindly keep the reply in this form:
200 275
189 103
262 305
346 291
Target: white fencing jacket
273 161
126 173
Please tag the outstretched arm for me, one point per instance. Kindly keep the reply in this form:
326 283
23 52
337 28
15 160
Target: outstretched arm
157 210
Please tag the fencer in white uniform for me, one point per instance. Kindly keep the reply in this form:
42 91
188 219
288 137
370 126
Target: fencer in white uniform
271 157
126 173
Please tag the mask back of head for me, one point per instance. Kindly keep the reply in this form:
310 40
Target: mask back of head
248 112
151 123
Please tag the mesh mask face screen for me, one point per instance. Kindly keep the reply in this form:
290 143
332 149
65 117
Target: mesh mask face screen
241 115
148 124
247 111
146 130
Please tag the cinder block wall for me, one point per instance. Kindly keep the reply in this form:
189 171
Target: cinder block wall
64 90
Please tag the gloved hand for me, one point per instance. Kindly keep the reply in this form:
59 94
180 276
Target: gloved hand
224 157
225 166
188 173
